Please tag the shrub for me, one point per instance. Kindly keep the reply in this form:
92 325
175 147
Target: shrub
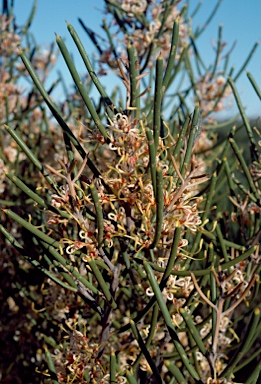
137 221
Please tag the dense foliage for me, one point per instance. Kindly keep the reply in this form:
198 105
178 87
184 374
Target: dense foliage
130 224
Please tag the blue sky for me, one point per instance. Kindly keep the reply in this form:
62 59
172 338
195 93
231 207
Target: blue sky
240 20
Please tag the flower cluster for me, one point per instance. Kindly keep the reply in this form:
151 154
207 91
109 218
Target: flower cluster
79 356
143 21
132 8
9 40
2 176
126 193
8 91
212 91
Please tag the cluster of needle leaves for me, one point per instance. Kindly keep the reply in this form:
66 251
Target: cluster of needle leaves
131 223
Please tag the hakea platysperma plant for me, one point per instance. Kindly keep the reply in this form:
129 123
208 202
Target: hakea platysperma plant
142 218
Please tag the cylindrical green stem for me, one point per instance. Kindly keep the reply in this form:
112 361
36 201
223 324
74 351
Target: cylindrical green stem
157 101
245 168
159 207
193 330
51 366
102 283
112 368
172 55
99 215
245 120
173 368
134 73
255 85
191 141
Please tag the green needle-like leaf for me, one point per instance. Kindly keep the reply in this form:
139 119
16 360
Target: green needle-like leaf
255 85
31 156
56 113
89 66
254 154
176 372
255 375
245 168
171 58
80 86
30 18
159 207
99 215
245 344
193 330
210 17
157 101
246 61
31 228
218 50
71 269
172 257
191 141
26 190
51 366
102 283
167 318
145 352
34 262
131 379
221 242
134 73
112 368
